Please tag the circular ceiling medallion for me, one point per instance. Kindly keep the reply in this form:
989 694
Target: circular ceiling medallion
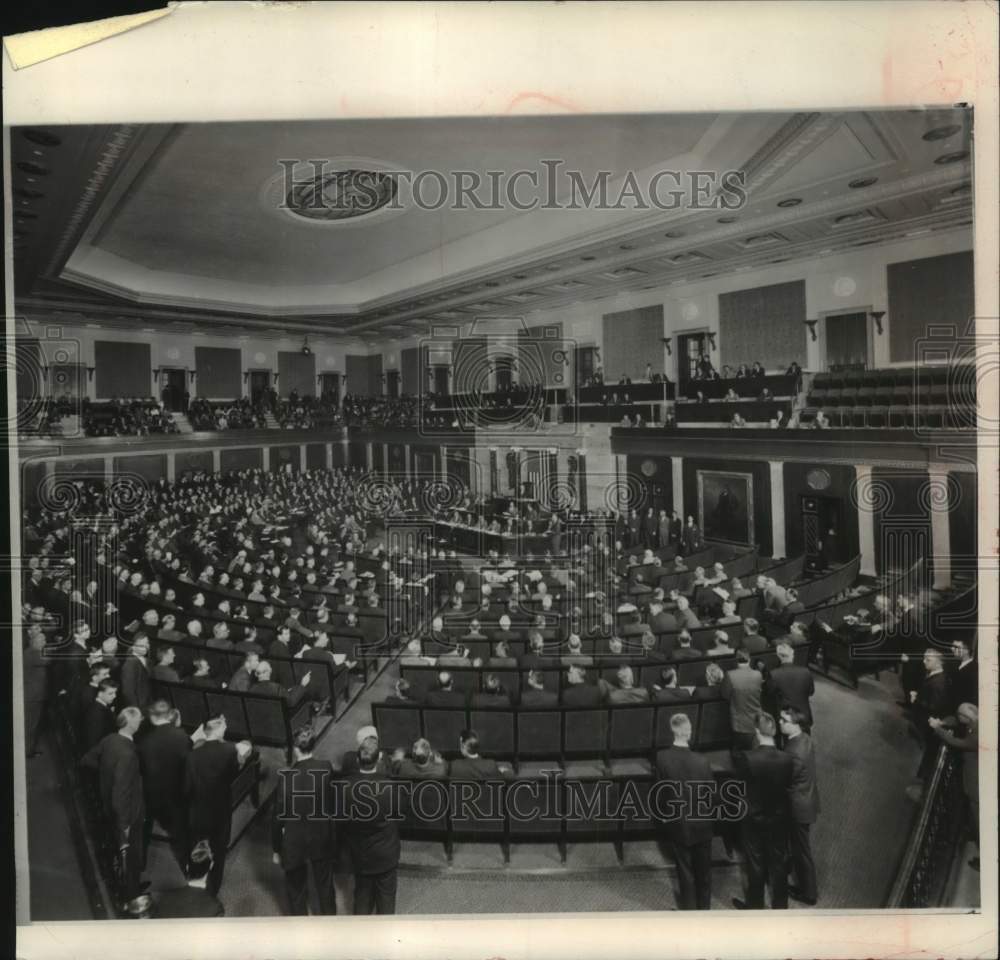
844 286
648 468
956 157
341 195
818 479
942 133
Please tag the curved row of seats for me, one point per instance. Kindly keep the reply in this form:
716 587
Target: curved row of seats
936 417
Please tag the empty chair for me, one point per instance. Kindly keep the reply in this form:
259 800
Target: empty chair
855 416
585 742
713 725
398 726
443 727
853 378
932 417
833 396
818 396
539 741
902 393
847 396
877 416
865 396
833 415
883 395
496 731
808 414
900 416
630 740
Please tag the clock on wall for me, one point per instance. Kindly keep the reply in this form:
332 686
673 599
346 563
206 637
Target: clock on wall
648 468
818 479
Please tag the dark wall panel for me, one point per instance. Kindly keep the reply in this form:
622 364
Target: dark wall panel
32 475
540 354
932 291
633 338
194 461
356 368
151 467
410 371
765 324
760 471
470 367
296 371
397 458
315 456
797 486
339 455
281 457
902 518
652 480
426 462
247 458
220 376
357 454
123 369
963 517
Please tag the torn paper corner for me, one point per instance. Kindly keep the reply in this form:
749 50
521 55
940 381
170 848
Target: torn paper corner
27 49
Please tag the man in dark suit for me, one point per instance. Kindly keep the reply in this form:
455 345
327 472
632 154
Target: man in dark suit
302 828
964 676
163 752
191 900
805 805
684 650
742 687
136 689
293 695
371 829
245 675
667 691
99 718
120 783
445 694
659 620
769 774
577 692
471 766
35 689
211 768
534 696
790 685
933 699
752 641
690 838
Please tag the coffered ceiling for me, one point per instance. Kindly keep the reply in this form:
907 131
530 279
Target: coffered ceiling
188 221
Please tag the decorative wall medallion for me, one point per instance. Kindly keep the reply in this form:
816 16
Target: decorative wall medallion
173 354
818 479
341 194
259 357
648 468
844 286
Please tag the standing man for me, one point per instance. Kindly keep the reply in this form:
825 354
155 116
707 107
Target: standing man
136 688
742 687
372 834
211 768
303 830
36 689
163 752
768 773
120 783
791 685
805 805
690 838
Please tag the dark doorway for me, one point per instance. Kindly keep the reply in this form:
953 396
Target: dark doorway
392 384
329 387
504 367
847 341
821 519
174 387
690 347
441 380
260 380
586 364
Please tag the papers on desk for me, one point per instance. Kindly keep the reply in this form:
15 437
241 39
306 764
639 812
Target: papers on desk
339 658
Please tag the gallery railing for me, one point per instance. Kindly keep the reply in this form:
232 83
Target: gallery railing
923 874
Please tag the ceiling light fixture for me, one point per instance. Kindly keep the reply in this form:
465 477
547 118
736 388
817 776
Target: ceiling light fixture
863 182
956 157
790 202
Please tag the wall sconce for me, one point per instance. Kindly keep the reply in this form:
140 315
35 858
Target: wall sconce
811 324
711 341
156 373
666 344
192 374
90 372
597 354
319 378
275 375
877 316
45 371
246 375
